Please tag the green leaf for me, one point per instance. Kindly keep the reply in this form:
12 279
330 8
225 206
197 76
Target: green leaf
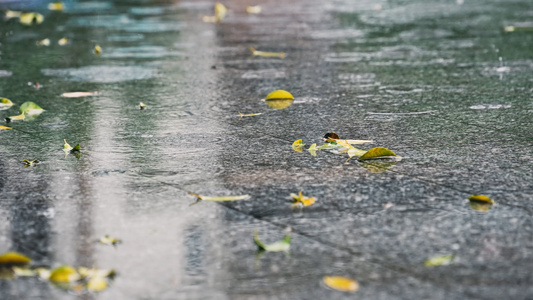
439 260
222 198
378 152
312 149
30 108
279 246
14 258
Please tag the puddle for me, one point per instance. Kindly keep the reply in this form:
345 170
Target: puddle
102 74
4 73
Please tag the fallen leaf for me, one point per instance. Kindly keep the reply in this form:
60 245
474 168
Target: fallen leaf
62 41
248 115
14 258
480 202
4 127
298 145
253 9
220 12
23 272
481 198
279 246
107 240
56 6
96 284
5 104
267 54
43 273
64 274
340 283
80 94
29 163
300 200
97 50
69 149
378 152
30 108
312 149
43 42
31 18
12 14
16 118
439 260
222 198
279 94
142 106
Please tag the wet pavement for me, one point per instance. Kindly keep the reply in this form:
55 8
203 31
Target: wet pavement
438 82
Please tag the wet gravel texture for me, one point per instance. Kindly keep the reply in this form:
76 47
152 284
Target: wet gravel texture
438 82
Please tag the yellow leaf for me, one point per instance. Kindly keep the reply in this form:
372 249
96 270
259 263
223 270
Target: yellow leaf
107 240
300 200
142 106
342 284
14 258
267 54
79 94
97 284
31 18
4 127
67 147
64 274
480 198
62 41
378 152
279 94
56 6
16 118
5 103
298 145
439 260
253 9
97 50
220 12
222 198
248 115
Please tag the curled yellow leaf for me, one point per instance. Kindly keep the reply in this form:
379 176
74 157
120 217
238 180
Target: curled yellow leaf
378 152
279 94
64 274
340 283
14 258
298 145
31 18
